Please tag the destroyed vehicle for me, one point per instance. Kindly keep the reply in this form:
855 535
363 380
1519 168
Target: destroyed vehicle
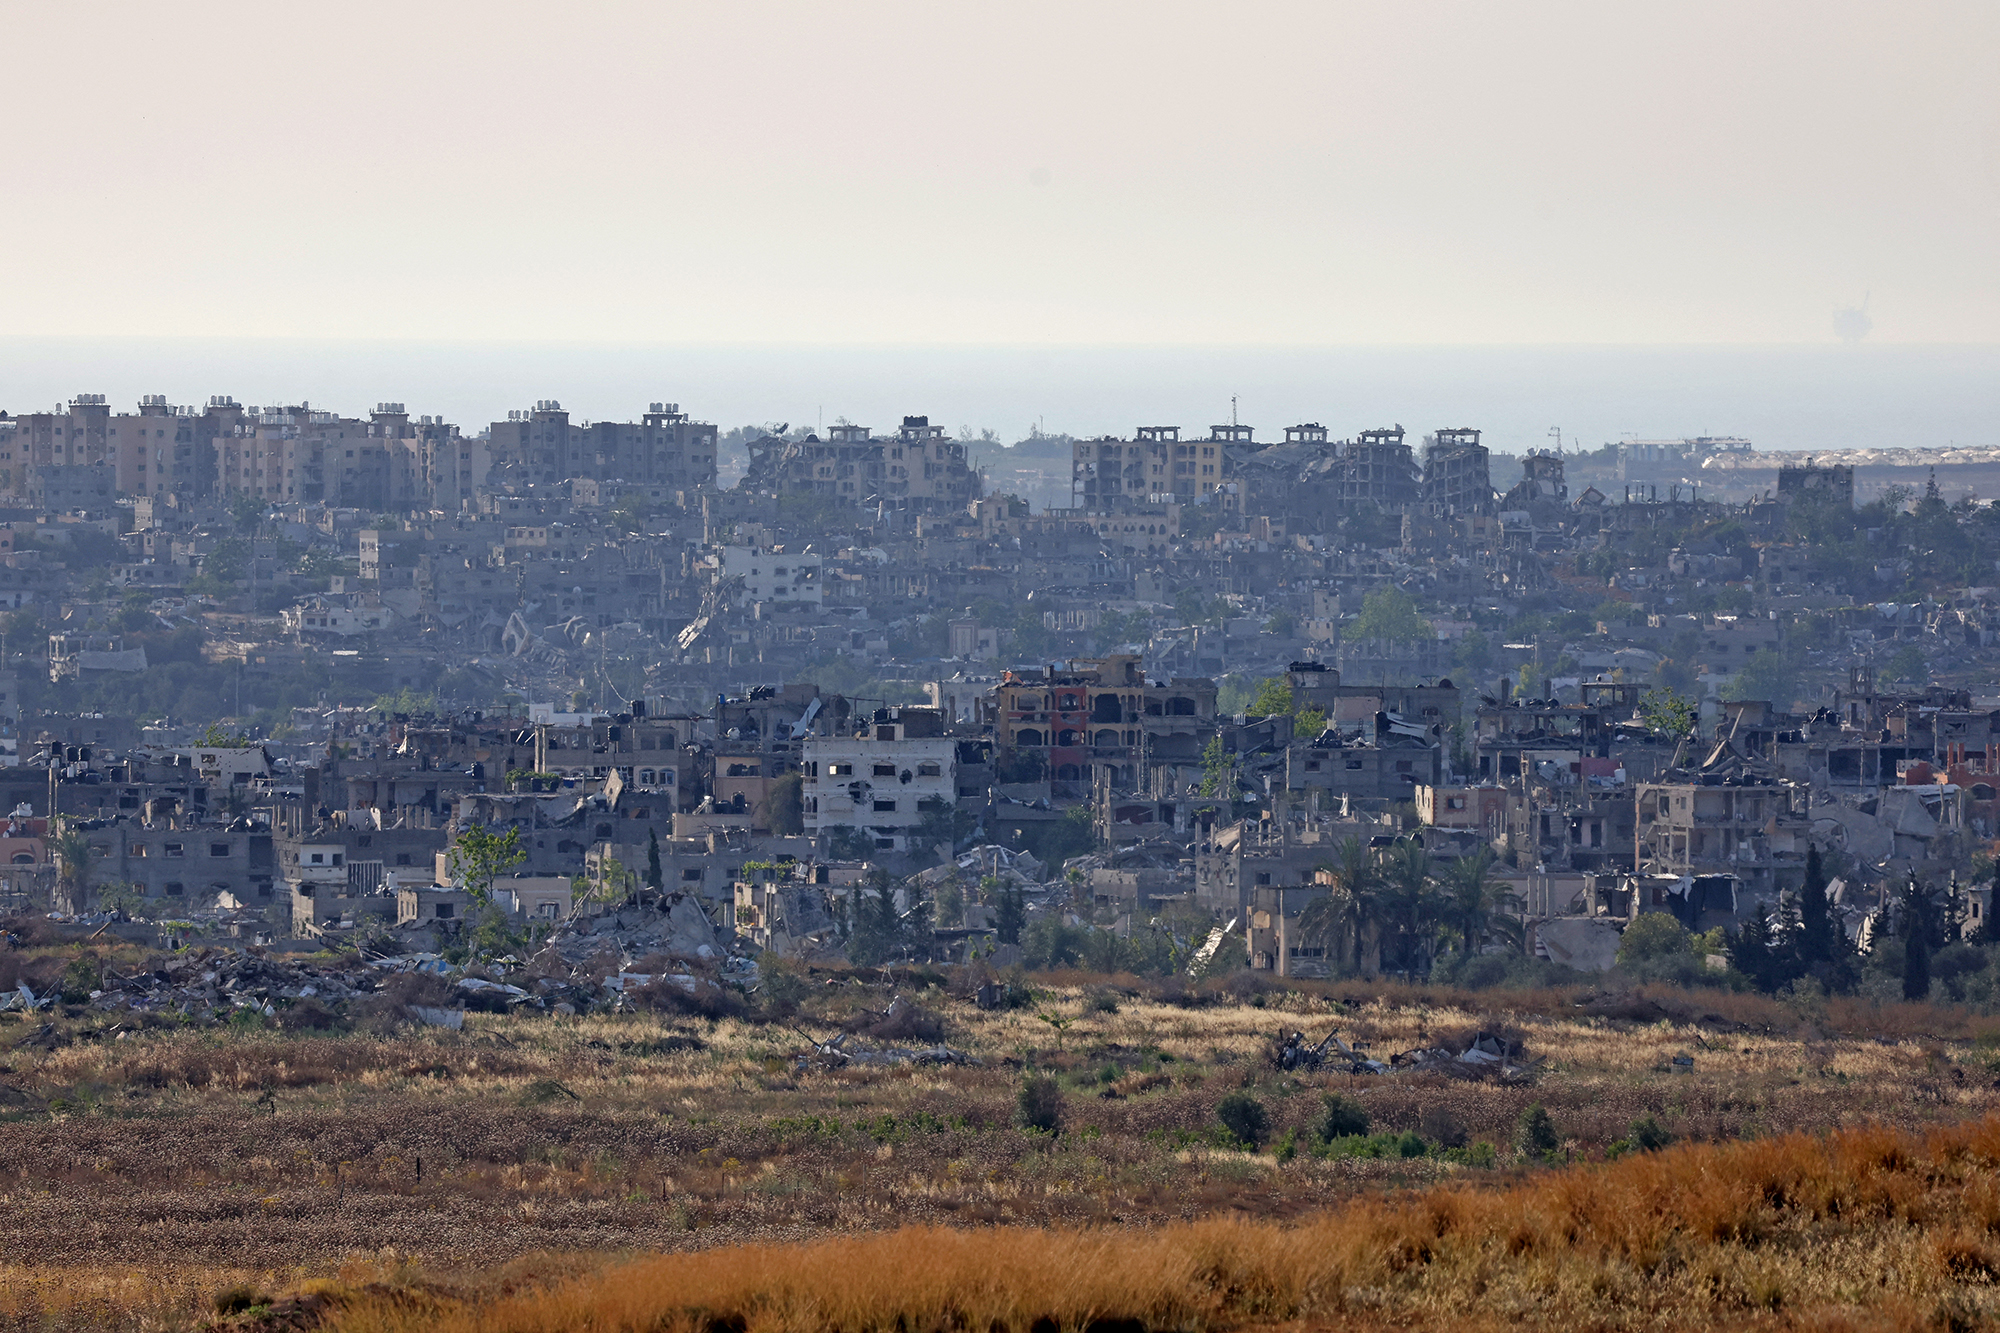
1296 1054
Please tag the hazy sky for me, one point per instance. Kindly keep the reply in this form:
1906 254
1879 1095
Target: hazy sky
1074 173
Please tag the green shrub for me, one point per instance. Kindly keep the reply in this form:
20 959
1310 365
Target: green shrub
783 984
1480 1154
1245 1117
1441 1127
1342 1118
79 979
1648 1135
1653 935
1039 1104
1406 1144
239 1299
1535 1135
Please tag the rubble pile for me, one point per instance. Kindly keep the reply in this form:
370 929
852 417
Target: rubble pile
1484 1057
215 982
678 930
635 955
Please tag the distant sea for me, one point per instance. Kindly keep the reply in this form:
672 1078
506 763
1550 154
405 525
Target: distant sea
1779 397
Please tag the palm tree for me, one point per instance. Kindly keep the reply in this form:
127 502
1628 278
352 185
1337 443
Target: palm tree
1409 901
1350 907
72 856
1474 905
1328 920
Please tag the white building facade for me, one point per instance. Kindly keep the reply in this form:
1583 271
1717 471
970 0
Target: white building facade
883 784
773 574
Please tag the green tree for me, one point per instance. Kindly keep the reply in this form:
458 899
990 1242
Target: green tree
1535 1136
877 932
844 842
1916 968
1474 905
940 828
1233 694
1010 912
1218 770
1390 614
655 876
1274 696
1908 665
246 511
630 513
613 880
1039 1104
1653 935
787 806
72 856
1244 1117
478 857
1341 1118
1351 904
1921 937
1474 651
950 903
1758 951
1668 713
1773 675
1821 941
406 701
1409 905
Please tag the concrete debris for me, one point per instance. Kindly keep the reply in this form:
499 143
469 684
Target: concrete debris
842 1052
1587 944
481 984
21 997
1486 1056
678 930
591 965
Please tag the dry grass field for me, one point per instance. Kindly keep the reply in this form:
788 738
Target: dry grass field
145 1170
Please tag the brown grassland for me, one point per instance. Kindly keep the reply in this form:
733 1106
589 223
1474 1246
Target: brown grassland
1834 1167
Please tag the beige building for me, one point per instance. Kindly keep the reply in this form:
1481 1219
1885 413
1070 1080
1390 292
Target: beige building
1153 469
542 446
1752 828
920 468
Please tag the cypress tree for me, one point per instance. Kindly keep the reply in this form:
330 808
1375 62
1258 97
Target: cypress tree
1750 949
1916 941
1010 915
1819 936
1916 968
654 875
